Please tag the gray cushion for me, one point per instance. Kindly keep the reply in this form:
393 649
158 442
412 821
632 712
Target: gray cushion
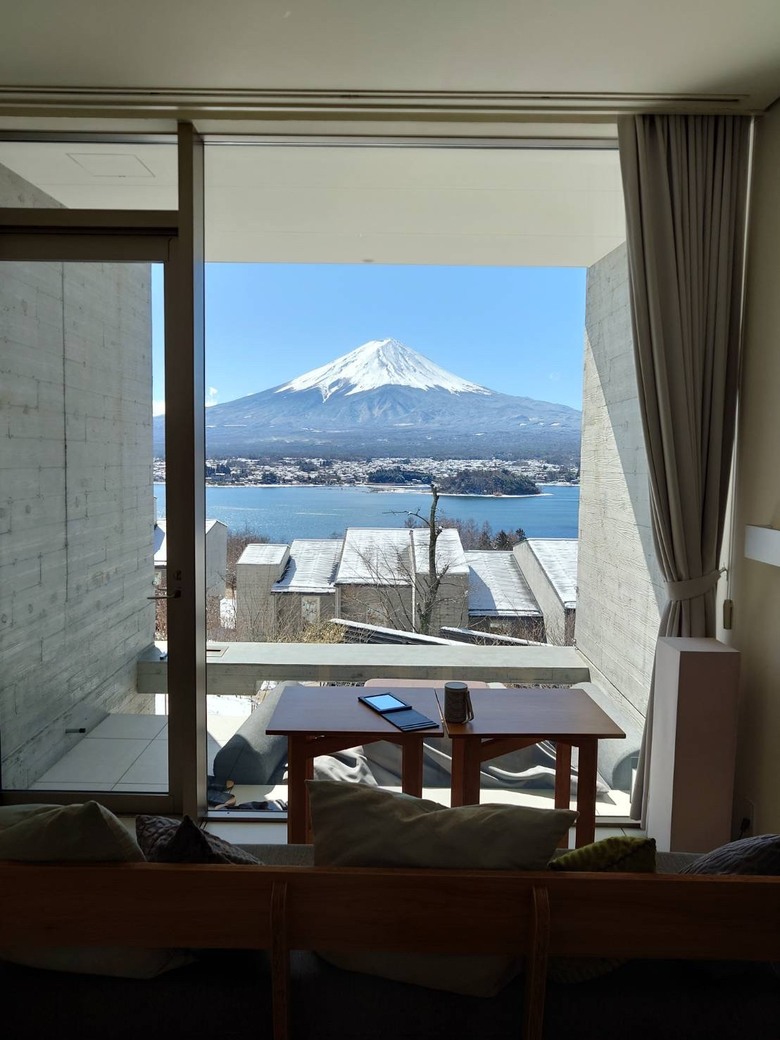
758 855
251 756
166 840
531 768
350 765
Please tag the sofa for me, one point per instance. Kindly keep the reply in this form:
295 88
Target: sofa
693 950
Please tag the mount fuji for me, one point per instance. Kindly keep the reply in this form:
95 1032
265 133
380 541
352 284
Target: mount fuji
386 399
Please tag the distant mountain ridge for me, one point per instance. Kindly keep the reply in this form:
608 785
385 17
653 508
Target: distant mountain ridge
386 399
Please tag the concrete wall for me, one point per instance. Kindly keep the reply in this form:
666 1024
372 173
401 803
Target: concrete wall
558 620
76 504
451 606
756 586
294 610
619 585
390 606
216 558
255 606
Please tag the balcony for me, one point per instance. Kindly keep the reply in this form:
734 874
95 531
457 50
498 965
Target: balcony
236 675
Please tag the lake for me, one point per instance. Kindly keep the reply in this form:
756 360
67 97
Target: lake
284 513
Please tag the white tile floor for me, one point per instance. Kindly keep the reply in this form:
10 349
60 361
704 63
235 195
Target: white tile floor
127 753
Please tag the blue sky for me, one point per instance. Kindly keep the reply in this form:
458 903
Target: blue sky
513 329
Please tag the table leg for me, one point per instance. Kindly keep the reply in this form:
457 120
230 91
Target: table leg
457 783
412 766
563 783
586 792
300 768
466 761
562 775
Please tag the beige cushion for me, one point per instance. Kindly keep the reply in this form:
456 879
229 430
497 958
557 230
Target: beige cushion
360 826
39 833
357 826
77 833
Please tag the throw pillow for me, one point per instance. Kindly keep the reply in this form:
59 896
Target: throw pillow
616 855
65 832
77 833
365 827
359 826
757 855
172 841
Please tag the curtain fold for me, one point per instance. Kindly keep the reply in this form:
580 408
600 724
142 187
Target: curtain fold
685 185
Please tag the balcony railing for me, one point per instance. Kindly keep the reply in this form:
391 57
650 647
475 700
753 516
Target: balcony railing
237 668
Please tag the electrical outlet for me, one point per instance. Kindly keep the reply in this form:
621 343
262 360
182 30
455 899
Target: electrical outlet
744 822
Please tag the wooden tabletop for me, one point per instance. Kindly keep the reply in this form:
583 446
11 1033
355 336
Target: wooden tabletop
336 709
549 714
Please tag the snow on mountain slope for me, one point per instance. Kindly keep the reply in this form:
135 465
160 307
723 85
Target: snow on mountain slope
378 363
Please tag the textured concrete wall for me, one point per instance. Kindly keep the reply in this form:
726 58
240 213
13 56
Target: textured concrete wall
390 606
294 610
451 606
76 506
216 559
255 603
558 622
620 593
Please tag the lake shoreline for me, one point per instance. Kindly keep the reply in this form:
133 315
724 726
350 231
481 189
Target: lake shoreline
283 512
379 489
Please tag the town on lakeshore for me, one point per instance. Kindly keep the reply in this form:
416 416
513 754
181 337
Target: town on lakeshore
392 471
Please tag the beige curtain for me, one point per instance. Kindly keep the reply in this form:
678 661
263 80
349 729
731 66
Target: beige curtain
685 182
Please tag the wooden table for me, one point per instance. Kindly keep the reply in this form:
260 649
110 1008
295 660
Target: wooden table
318 720
508 720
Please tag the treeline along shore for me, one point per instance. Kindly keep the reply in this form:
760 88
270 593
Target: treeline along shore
451 476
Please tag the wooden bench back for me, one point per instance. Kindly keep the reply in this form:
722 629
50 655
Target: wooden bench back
530 915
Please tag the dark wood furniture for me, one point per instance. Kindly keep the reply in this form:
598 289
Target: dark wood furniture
508 720
318 720
531 915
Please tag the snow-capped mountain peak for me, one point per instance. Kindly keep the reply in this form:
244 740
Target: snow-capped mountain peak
378 363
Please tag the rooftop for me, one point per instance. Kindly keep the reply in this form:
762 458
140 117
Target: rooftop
449 551
263 554
312 566
160 539
558 559
497 587
375 556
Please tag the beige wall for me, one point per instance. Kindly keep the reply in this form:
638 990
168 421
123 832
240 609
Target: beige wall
756 587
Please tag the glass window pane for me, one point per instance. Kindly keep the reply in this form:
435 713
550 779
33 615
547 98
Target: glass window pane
78 539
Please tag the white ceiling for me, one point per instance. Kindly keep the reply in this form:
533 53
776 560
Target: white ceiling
497 68
527 207
620 48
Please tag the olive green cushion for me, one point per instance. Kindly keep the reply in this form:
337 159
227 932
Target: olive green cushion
360 826
616 855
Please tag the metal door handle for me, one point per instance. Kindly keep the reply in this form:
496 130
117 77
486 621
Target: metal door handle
167 595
